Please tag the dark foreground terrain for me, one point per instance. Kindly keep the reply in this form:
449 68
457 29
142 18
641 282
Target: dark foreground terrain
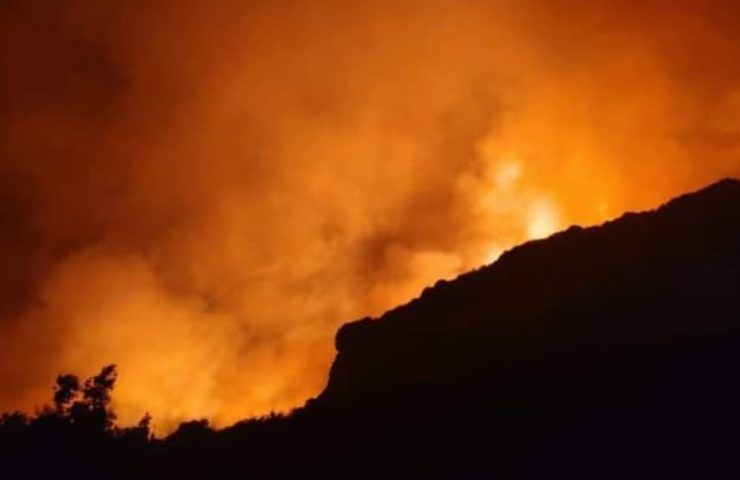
605 352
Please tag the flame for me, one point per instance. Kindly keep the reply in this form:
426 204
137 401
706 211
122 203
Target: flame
543 219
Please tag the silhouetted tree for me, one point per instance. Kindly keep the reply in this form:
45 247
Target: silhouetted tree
98 389
80 420
141 433
67 388
145 422
94 411
12 423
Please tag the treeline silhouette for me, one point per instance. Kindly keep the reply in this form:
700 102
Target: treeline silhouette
605 352
75 436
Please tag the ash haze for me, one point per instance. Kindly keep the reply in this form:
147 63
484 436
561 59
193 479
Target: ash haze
202 192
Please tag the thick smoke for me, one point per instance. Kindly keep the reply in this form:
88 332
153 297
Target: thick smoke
201 192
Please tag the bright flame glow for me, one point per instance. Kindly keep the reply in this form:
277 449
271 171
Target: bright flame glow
493 254
543 219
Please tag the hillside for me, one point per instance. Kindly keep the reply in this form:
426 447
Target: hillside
645 277
599 352
610 345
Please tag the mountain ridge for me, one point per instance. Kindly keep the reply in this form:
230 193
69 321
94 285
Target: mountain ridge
636 237
726 185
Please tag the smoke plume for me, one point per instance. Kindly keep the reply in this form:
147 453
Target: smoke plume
202 192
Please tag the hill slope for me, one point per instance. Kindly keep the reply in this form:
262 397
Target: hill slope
647 277
603 352
612 342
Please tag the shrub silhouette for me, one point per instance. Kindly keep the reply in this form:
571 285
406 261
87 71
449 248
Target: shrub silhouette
67 388
93 410
80 419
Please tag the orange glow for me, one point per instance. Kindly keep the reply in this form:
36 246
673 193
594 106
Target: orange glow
202 193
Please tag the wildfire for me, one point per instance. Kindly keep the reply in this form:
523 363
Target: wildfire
201 194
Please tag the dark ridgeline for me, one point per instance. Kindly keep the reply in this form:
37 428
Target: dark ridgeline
611 351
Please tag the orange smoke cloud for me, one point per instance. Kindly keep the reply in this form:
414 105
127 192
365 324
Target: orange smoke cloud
201 193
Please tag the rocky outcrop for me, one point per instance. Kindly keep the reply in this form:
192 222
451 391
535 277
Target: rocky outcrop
641 283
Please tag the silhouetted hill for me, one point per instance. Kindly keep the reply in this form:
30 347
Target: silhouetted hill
603 352
647 277
595 349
